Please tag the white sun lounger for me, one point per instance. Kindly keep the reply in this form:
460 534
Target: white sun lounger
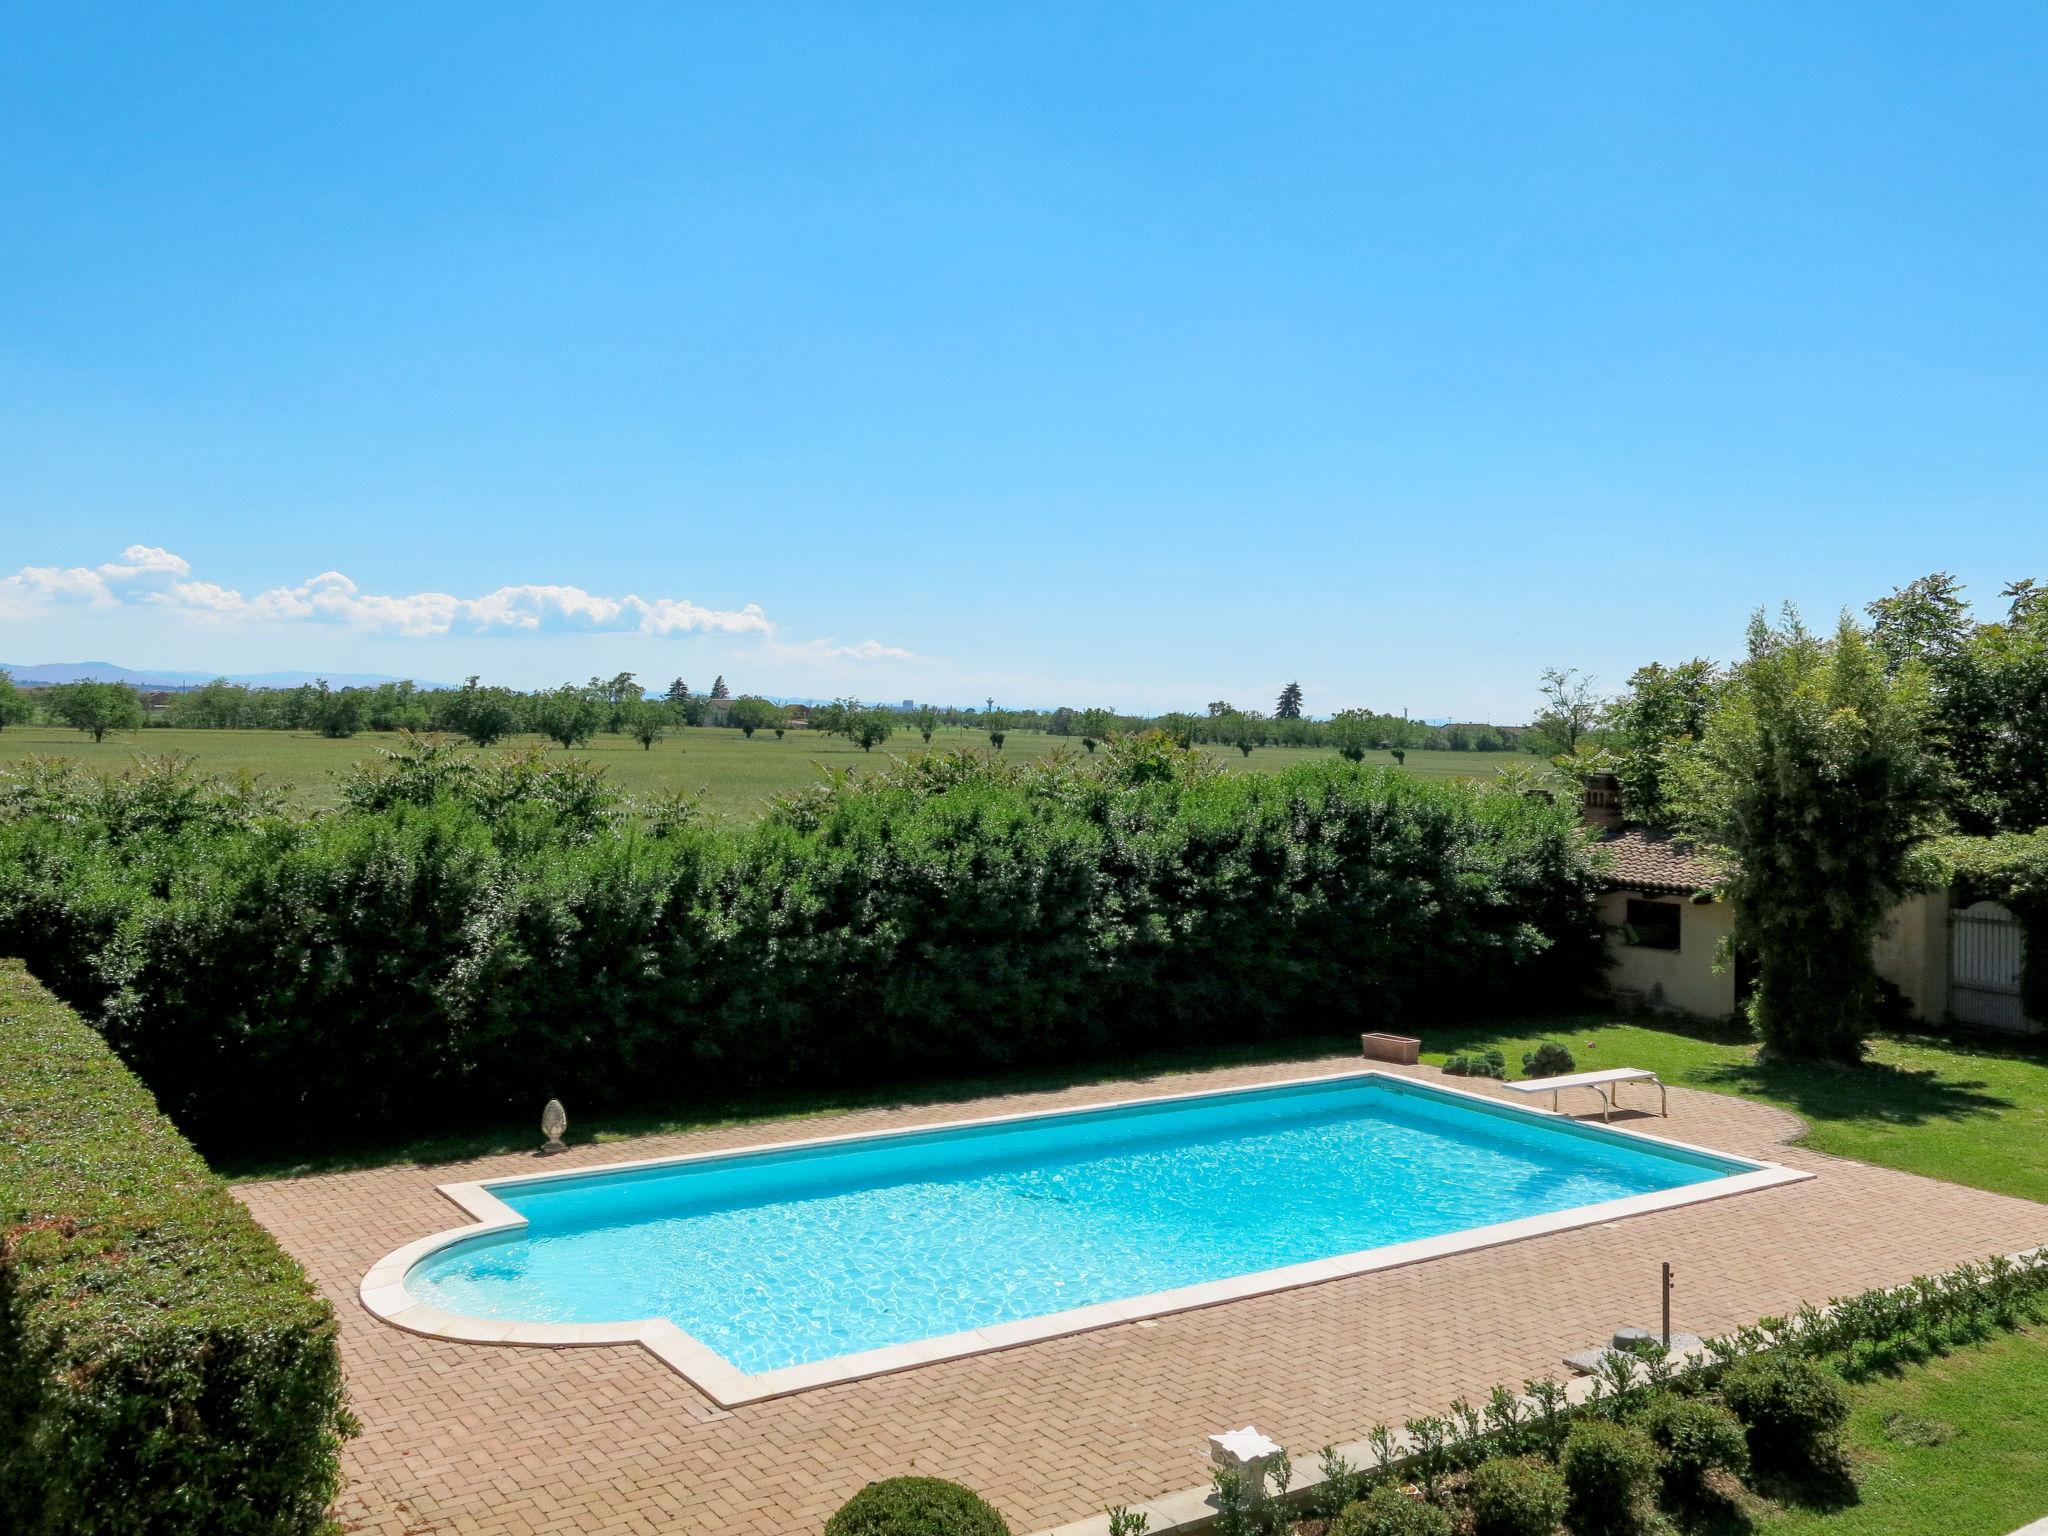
1602 1083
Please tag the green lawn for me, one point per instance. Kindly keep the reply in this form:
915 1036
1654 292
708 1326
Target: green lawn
735 776
1957 1445
1972 1111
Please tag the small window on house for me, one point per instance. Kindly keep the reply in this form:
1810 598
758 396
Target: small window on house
1653 924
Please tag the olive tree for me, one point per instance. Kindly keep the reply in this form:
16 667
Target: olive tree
14 704
866 728
97 708
1353 733
1236 728
753 714
337 714
1096 725
484 715
1814 773
647 723
869 728
568 714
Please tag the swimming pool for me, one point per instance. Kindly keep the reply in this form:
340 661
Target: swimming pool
785 1266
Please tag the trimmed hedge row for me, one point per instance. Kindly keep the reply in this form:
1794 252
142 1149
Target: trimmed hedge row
164 1366
469 936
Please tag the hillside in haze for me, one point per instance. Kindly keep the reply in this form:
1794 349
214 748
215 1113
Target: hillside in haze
45 672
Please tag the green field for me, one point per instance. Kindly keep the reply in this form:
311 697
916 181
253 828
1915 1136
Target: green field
735 776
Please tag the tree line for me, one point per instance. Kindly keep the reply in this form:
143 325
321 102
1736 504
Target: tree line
620 705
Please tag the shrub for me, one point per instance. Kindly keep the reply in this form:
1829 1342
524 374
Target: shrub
1793 1409
1695 1436
1513 1496
469 935
164 1365
1476 1064
916 1506
1610 1472
1387 1511
1548 1060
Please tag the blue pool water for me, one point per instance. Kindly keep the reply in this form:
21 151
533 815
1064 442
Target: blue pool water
778 1258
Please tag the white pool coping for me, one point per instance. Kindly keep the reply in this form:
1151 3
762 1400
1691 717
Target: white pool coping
384 1294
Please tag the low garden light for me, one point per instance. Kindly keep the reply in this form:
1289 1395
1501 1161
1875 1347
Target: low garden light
553 1121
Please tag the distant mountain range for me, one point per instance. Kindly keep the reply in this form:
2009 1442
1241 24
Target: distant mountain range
178 682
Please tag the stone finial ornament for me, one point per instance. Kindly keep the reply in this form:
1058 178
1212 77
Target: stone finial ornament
553 1121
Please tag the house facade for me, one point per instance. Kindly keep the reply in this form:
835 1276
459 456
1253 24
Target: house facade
1667 936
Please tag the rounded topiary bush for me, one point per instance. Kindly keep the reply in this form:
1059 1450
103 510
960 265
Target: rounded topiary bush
1548 1060
1793 1409
1476 1064
1515 1496
1696 1436
1387 1511
1610 1473
916 1506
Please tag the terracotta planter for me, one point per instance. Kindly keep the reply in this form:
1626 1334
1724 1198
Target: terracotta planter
1400 1049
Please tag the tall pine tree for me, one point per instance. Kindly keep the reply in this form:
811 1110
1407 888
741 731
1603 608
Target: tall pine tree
718 688
1289 707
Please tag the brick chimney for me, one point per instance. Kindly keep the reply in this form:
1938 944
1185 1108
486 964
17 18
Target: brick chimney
1602 806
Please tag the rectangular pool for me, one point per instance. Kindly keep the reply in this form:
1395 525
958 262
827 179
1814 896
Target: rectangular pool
775 1258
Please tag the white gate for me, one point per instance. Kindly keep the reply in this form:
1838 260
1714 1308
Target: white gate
1986 951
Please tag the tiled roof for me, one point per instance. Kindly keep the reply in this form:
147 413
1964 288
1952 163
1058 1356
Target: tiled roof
1638 859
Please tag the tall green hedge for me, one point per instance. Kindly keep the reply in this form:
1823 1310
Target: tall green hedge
473 934
165 1368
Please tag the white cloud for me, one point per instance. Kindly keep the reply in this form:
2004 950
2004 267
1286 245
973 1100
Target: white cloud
831 650
156 577
139 560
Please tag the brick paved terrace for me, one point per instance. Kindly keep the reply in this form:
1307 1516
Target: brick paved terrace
497 1441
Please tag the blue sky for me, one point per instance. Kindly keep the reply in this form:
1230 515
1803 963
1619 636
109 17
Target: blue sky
1135 355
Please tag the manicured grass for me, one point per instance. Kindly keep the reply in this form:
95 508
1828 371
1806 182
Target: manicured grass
1969 1110
735 776
1956 1445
